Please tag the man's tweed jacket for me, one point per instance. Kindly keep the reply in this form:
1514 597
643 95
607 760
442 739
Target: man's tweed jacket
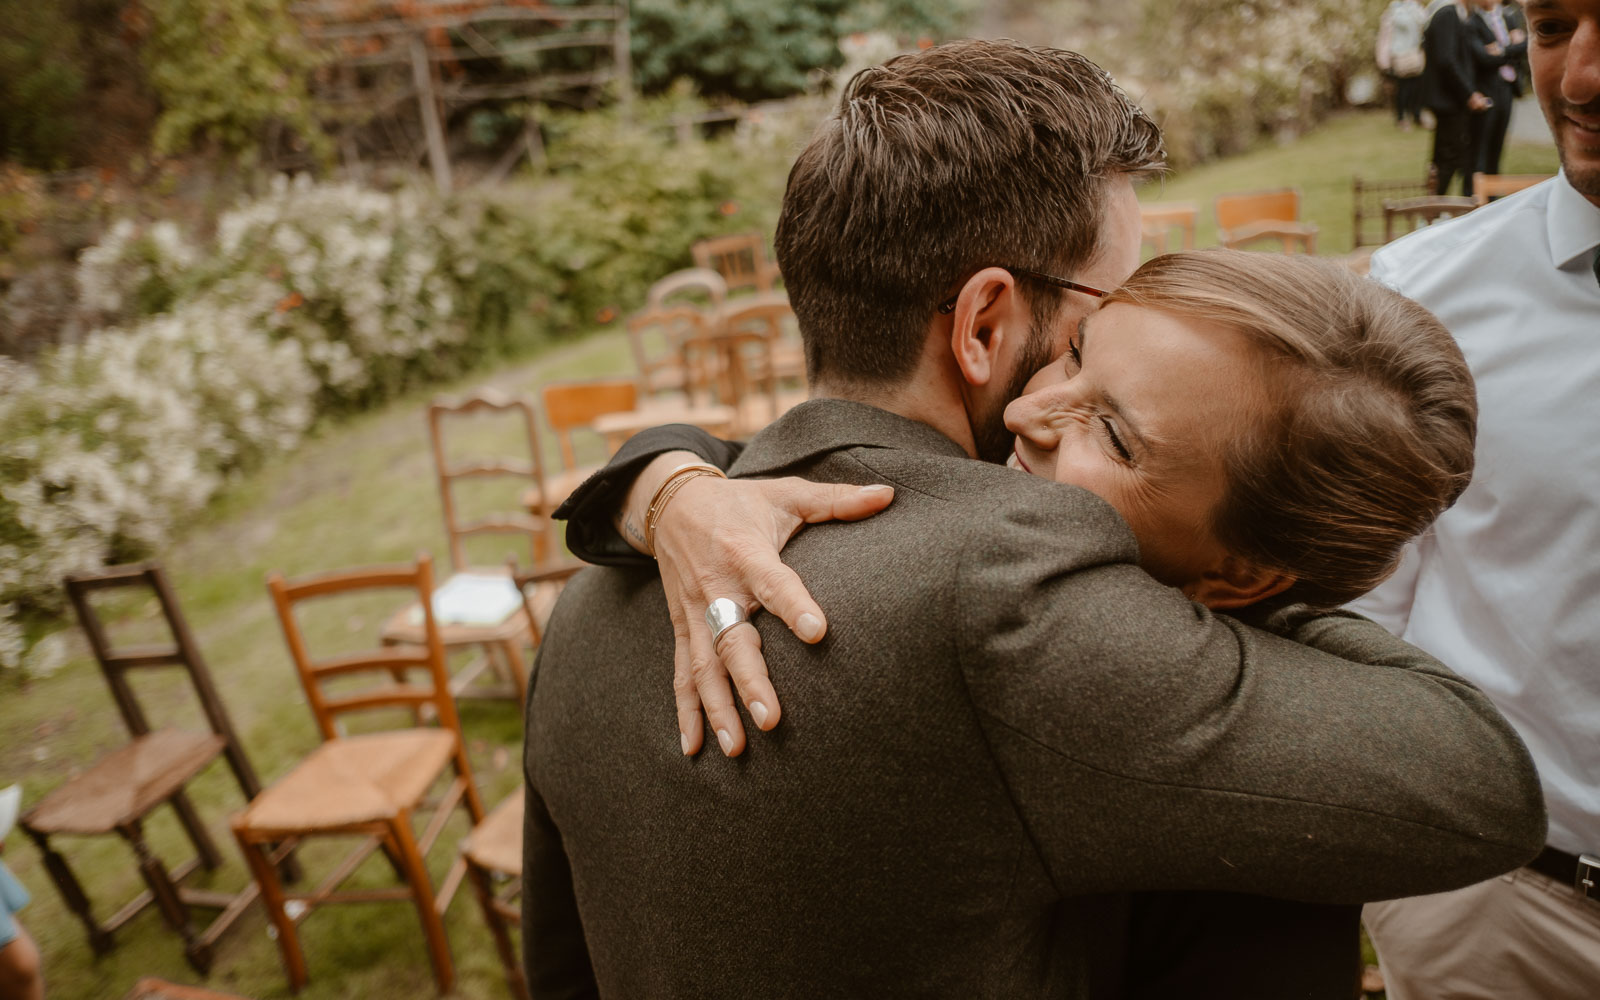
1008 721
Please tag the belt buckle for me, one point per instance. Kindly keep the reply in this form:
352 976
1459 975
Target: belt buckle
1588 877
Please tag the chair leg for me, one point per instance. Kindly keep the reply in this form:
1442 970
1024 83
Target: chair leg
195 827
154 873
71 890
518 668
266 876
483 888
422 892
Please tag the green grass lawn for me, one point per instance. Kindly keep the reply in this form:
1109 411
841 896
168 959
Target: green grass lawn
363 492
1322 165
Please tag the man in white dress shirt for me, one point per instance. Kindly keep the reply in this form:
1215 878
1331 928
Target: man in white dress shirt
1506 589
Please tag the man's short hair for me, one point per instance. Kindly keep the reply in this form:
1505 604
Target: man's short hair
935 165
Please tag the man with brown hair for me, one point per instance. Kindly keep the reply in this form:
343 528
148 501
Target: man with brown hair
1010 723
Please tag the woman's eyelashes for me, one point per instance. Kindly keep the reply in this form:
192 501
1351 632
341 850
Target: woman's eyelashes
1074 364
1116 442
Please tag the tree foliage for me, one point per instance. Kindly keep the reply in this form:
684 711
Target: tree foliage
225 71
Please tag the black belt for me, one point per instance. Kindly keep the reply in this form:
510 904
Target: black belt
1582 873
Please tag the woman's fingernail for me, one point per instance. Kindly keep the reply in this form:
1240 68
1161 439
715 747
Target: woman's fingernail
758 712
878 488
683 741
726 741
808 627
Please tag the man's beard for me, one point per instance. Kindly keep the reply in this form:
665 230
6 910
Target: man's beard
990 436
1585 180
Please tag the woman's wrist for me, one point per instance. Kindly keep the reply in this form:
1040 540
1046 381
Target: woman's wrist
633 518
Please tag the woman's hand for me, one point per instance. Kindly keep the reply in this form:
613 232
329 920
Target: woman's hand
721 538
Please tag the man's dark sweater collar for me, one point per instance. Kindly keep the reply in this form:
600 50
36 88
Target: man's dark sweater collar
818 426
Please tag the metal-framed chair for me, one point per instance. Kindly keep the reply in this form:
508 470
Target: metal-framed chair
117 792
371 785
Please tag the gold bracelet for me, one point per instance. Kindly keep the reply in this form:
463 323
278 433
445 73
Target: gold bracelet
667 490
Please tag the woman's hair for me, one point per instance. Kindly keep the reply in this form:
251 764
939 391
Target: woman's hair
1369 433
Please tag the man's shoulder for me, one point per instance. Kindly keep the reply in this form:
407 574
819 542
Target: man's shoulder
1463 243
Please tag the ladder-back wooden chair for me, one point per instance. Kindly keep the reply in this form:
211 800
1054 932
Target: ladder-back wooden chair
123 787
654 335
1244 219
741 259
493 850
372 785
529 526
1489 186
1158 219
1410 214
758 360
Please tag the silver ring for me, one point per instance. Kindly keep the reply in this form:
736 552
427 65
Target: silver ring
722 615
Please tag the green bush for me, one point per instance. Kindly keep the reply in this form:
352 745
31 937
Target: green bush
40 82
225 70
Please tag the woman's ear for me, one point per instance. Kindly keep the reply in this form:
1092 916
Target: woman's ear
988 309
1238 583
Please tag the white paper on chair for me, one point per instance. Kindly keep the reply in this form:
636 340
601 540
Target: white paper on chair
473 599
10 802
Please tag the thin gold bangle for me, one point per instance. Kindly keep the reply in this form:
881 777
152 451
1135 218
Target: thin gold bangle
667 490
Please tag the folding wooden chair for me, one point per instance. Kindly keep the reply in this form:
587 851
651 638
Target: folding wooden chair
124 786
493 850
1489 186
1243 219
1157 219
370 785
741 259
1410 214
502 642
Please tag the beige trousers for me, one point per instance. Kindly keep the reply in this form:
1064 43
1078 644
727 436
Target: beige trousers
1521 936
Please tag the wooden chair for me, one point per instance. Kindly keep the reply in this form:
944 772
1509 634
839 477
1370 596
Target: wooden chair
1410 214
370 785
1157 219
1243 219
501 643
124 786
700 287
493 850
1489 186
665 325
741 259
758 358
1367 198
570 407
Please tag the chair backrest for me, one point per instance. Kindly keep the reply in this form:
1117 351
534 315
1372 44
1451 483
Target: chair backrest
395 687
534 578
1158 218
1486 186
571 405
741 259
1408 214
667 326
690 283
1279 205
182 651
535 531
1367 198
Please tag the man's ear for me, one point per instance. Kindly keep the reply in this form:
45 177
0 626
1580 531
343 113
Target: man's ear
989 308
1238 583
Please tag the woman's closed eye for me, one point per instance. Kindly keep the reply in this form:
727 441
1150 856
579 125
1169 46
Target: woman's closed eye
1116 441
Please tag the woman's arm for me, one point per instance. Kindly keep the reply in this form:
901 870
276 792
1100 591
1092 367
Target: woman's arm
714 538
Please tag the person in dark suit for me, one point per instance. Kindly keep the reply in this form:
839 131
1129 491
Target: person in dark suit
1497 48
1450 91
1009 724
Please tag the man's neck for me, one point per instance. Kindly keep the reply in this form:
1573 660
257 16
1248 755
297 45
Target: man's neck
927 400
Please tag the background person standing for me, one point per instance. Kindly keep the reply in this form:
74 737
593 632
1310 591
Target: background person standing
1496 50
1448 89
1400 56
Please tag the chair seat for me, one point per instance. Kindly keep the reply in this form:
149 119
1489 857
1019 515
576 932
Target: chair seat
352 780
496 843
126 783
405 625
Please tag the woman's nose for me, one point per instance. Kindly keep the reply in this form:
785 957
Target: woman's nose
1029 416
